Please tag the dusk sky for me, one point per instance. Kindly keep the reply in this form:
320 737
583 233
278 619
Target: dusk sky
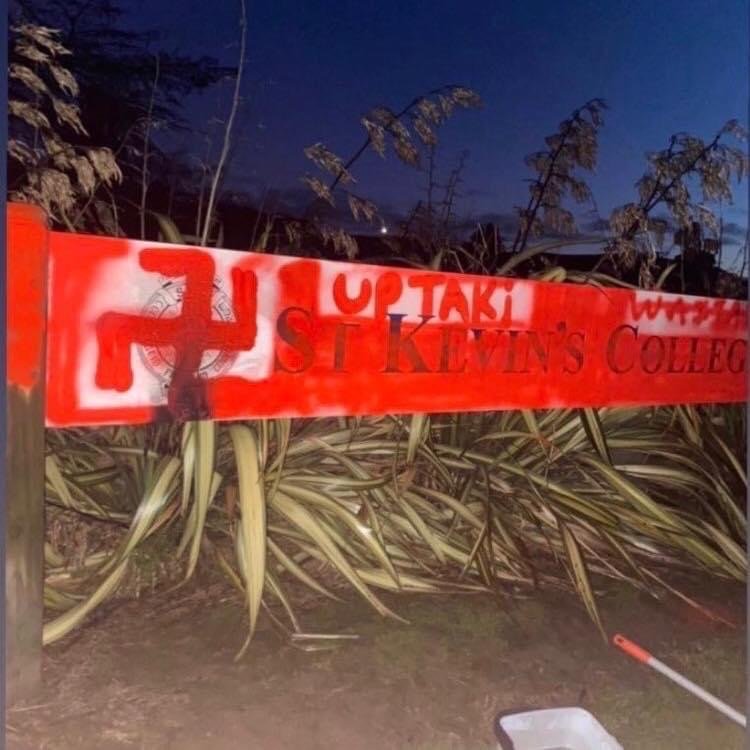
316 66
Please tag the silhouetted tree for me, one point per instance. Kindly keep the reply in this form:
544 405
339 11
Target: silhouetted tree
126 103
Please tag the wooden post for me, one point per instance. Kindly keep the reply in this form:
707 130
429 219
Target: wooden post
24 456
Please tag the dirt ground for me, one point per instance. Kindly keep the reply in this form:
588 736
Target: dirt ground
159 674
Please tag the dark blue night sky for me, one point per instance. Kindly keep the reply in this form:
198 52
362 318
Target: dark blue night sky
316 67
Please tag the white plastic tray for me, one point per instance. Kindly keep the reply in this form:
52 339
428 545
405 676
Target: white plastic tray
552 729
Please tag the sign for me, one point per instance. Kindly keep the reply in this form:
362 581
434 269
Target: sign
142 331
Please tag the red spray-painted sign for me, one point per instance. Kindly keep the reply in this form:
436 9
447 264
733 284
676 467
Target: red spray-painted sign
140 331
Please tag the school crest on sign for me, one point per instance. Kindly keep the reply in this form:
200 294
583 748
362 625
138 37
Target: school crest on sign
166 302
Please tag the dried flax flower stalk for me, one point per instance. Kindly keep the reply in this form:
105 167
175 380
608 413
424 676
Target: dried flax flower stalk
384 128
57 175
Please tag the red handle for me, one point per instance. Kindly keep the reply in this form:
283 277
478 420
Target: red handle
632 649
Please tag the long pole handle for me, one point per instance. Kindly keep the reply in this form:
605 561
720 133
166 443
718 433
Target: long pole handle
639 654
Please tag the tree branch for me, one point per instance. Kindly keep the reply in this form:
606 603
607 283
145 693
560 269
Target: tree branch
146 137
368 140
228 131
522 237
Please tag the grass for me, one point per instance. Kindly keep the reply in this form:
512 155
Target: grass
165 667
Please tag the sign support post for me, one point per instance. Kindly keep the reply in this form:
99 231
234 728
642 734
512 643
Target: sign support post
24 454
